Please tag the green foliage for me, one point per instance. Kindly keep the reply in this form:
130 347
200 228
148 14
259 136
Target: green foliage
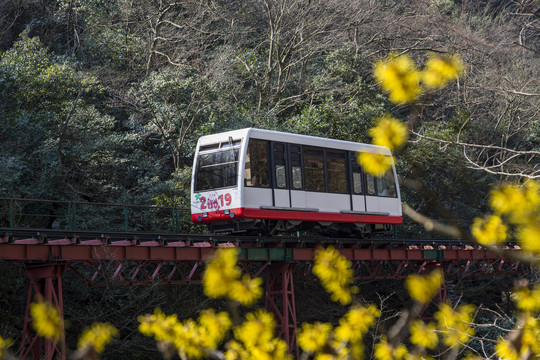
442 170
44 83
82 117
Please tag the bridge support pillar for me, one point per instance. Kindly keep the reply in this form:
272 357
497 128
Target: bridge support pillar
279 299
45 283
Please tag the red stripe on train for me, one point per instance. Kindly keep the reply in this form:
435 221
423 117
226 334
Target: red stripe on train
294 215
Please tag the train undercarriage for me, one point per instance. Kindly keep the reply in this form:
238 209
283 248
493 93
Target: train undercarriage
289 227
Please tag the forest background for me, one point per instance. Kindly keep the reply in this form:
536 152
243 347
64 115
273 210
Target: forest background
103 101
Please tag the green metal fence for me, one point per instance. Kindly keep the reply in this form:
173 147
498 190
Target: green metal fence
78 215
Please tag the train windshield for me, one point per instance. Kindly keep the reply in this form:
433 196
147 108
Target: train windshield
217 169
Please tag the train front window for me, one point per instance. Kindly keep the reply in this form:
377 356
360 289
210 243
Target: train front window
256 171
217 170
386 185
371 185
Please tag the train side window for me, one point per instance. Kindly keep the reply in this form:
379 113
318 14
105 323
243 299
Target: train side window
357 183
337 171
296 167
371 185
314 169
256 172
386 185
280 169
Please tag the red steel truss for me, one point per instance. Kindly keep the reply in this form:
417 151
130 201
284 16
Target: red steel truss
100 261
279 299
46 283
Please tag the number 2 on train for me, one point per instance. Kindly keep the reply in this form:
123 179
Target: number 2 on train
214 204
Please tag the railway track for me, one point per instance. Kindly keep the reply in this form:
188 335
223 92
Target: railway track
54 236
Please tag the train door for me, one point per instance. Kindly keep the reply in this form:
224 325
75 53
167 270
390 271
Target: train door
381 194
297 193
372 201
257 190
282 197
358 196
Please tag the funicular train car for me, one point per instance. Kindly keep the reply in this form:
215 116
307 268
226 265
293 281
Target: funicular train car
262 181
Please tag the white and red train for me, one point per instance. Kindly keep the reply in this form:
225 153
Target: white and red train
267 181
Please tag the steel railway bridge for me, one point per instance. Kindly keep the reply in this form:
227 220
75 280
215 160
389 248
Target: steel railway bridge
138 258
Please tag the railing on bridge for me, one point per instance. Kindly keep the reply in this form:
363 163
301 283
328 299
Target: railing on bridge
118 244
79 215
109 217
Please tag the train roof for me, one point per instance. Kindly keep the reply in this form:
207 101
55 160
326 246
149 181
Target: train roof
292 138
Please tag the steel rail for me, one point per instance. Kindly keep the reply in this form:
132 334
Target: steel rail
44 236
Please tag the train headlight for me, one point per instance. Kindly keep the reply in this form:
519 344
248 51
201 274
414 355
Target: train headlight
205 215
226 212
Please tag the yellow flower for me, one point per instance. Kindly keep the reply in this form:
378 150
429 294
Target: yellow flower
247 291
335 273
258 328
356 323
222 279
98 335
313 338
529 237
385 351
188 340
221 273
530 337
235 350
528 300
389 132
4 345
422 288
399 77
191 339
454 324
160 326
441 69
529 341
506 351
518 203
47 319
256 339
424 335
418 357
357 351
213 327
471 356
375 164
489 231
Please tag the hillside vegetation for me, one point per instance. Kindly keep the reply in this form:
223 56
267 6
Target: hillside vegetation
103 101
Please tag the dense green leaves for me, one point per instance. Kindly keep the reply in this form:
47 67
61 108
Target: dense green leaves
104 100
